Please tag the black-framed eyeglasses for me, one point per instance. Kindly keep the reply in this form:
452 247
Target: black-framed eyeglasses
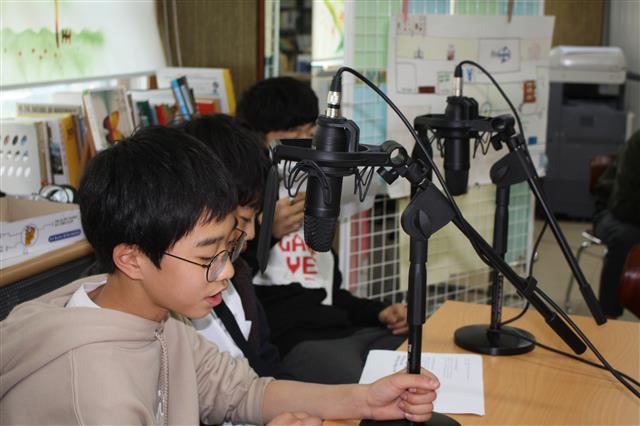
218 262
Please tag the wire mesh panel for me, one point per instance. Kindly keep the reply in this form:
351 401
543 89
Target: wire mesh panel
373 238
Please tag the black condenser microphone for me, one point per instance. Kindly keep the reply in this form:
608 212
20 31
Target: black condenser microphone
334 134
456 137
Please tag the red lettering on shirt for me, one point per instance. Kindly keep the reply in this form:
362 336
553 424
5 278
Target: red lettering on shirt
298 243
309 266
293 267
284 245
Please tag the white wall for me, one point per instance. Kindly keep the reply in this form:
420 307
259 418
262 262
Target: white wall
624 32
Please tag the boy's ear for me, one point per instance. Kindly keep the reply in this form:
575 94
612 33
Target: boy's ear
128 259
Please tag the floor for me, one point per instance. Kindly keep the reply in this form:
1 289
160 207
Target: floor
553 272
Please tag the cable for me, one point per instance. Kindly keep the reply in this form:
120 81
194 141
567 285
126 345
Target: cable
495 83
558 351
587 341
533 252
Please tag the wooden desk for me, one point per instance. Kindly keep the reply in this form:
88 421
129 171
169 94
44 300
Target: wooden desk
43 262
540 387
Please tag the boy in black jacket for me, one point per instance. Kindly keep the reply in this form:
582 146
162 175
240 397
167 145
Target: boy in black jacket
323 332
239 325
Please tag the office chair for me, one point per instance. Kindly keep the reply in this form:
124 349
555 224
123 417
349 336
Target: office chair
597 165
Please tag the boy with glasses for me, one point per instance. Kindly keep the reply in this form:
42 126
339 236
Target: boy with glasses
121 352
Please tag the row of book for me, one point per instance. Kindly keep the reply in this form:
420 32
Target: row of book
50 143
42 145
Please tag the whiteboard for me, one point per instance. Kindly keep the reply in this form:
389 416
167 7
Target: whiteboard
53 41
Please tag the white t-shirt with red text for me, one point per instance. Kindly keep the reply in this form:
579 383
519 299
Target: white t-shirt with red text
291 260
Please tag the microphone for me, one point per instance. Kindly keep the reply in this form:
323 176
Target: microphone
322 205
456 136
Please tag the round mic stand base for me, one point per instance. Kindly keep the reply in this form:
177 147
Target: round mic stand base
482 339
437 419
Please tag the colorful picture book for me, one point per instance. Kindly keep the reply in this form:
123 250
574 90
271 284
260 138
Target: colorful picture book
108 115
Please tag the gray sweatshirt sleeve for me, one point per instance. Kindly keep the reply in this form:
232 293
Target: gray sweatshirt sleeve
227 385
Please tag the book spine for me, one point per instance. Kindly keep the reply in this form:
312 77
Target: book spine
57 154
162 115
153 115
87 134
230 95
79 121
95 127
70 149
180 98
190 98
43 154
144 113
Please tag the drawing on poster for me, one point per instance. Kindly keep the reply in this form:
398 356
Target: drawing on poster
50 40
515 53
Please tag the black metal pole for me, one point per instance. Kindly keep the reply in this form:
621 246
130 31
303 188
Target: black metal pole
485 338
500 231
416 301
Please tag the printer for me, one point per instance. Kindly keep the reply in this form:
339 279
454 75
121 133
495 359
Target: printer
586 118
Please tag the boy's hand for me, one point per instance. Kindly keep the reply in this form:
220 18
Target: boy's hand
403 395
295 419
289 215
395 318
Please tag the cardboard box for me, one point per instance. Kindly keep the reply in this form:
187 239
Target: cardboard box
35 226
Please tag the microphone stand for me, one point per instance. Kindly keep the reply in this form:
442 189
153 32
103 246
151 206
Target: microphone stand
515 167
425 214
428 212
480 337
433 212
420 226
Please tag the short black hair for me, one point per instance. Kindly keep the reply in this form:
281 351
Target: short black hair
279 103
150 190
241 151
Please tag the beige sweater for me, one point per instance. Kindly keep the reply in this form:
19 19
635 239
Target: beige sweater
99 366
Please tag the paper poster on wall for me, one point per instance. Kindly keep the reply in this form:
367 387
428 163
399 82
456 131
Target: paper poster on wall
51 40
423 52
